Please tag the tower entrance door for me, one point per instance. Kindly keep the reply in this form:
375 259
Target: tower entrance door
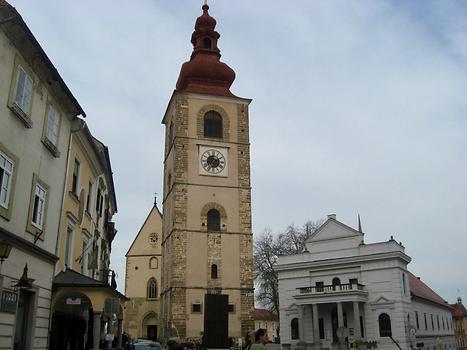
216 321
152 333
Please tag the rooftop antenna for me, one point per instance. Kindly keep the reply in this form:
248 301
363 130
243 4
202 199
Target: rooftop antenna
359 224
155 199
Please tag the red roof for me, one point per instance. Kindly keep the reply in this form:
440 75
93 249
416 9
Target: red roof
458 310
3 4
265 315
204 73
421 290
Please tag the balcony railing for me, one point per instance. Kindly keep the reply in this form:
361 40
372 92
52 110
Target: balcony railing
331 288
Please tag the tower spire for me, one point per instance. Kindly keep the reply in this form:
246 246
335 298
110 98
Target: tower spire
205 73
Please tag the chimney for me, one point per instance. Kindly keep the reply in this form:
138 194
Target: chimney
332 216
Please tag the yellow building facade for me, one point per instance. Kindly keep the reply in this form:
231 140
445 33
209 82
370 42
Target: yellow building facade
143 280
459 317
86 307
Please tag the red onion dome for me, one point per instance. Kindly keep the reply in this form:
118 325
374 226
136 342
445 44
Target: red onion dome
205 21
205 73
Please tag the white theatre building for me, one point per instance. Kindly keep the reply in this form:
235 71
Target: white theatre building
342 290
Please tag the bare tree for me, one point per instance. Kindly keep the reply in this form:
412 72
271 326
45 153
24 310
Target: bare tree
266 251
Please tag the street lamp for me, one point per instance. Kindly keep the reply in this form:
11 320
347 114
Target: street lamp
24 282
5 249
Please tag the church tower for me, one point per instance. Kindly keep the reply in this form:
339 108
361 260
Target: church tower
207 279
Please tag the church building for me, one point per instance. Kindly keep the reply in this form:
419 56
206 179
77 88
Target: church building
207 264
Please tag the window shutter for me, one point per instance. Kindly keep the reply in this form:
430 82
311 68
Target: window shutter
19 87
27 94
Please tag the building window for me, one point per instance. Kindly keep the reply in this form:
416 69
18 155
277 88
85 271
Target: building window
69 247
152 289
207 43
426 322
196 308
353 281
321 328
74 181
294 328
214 220
153 263
231 308
432 322
214 271
38 208
53 124
384 325
417 320
23 90
319 286
6 173
99 202
443 323
335 282
213 125
88 199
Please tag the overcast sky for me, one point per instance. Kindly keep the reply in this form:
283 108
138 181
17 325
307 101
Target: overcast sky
358 107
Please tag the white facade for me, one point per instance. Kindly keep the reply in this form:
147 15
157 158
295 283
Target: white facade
36 114
364 292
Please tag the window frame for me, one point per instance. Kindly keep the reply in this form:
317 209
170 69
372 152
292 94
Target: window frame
213 226
47 138
151 292
294 329
19 109
200 311
6 212
75 180
8 186
214 272
33 227
383 321
89 197
213 130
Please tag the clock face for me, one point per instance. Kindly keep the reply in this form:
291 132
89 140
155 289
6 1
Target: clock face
153 238
213 161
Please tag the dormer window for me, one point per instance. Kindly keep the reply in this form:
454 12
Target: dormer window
207 43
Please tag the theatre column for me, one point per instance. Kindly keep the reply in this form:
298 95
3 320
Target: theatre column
356 321
301 324
316 338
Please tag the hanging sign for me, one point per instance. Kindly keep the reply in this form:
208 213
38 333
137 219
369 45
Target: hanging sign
71 301
8 302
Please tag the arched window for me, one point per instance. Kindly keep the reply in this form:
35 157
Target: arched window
213 271
294 328
384 325
152 289
214 220
153 263
335 282
213 125
207 43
